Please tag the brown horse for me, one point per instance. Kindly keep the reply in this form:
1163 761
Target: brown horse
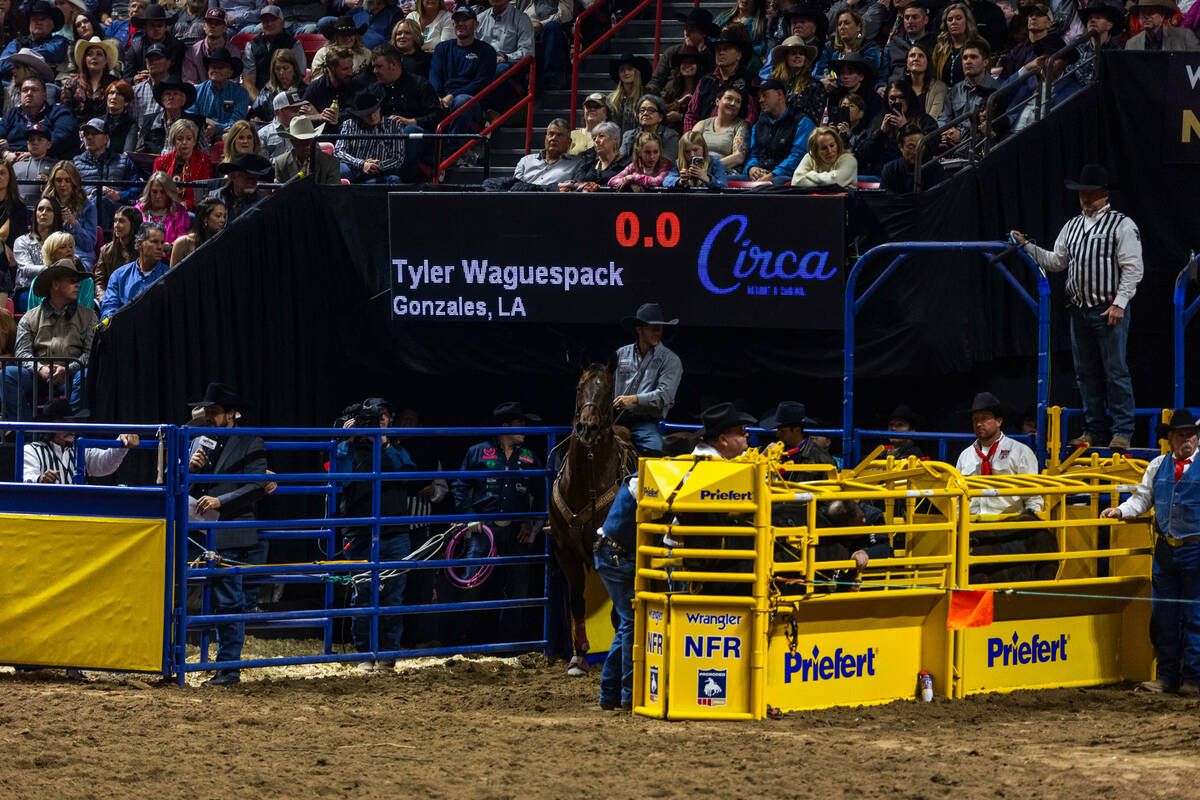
597 460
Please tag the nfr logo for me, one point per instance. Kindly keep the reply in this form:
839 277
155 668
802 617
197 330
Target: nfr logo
710 687
712 647
706 494
829 668
653 688
1036 651
654 643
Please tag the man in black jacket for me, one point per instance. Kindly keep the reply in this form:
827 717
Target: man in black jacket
154 31
223 501
405 97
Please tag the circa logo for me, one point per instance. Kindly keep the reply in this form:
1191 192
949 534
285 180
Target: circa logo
725 274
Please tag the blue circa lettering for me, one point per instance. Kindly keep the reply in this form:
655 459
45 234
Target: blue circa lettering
786 265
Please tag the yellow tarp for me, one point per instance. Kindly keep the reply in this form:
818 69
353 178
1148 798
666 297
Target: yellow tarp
82 592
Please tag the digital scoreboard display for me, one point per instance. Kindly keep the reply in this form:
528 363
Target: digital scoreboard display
746 260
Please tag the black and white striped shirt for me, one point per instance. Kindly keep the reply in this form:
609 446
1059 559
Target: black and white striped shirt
1102 255
46 455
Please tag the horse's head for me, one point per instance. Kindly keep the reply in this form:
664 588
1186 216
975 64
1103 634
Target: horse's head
593 404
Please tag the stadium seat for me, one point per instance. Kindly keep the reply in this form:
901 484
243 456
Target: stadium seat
99 239
312 42
11 306
240 41
217 151
868 182
327 147
345 181
741 184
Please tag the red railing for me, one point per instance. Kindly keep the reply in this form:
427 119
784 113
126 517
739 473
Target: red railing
525 102
577 56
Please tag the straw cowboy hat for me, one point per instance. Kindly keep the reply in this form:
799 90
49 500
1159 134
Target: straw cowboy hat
109 46
794 43
301 128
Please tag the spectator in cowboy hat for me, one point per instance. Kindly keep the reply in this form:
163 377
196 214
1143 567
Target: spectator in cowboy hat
215 35
646 379
902 420
84 94
240 190
723 431
790 422
52 459
698 31
28 63
1157 36
154 25
227 454
176 97
220 99
1171 486
629 73
687 66
44 21
344 34
731 53
372 160
807 21
304 155
58 327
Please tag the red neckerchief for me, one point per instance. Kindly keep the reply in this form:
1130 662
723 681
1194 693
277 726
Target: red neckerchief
1179 467
985 461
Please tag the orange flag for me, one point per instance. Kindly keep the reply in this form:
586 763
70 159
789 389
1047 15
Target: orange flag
970 609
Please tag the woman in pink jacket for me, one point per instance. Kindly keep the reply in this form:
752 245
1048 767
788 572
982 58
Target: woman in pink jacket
648 167
161 203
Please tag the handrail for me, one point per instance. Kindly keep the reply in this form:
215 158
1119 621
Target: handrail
525 102
968 117
577 56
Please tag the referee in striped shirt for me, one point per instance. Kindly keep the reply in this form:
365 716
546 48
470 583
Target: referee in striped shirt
1101 250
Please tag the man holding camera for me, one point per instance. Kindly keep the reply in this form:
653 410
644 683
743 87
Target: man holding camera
357 454
223 501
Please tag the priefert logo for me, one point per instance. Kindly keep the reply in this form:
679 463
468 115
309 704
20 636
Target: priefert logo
1035 651
707 494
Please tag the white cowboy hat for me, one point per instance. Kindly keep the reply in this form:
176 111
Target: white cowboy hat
302 128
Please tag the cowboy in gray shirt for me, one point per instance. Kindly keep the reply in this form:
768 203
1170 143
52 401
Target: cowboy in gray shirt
646 379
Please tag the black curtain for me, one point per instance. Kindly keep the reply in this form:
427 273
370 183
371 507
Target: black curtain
292 304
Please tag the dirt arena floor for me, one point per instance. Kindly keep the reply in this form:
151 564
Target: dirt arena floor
519 728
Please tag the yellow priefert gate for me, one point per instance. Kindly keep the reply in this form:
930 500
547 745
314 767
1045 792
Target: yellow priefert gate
738 614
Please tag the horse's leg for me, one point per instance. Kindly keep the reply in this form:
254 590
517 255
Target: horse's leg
574 572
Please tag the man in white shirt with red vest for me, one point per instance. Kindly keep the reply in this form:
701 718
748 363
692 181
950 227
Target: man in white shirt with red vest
1172 488
1101 250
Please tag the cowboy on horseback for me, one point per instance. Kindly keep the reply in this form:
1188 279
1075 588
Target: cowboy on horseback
646 379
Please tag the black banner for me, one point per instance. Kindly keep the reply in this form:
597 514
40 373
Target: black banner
1183 109
752 261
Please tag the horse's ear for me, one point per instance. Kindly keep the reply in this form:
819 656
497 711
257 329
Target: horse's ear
611 365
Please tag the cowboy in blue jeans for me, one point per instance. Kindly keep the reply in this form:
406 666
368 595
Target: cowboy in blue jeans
614 561
1101 249
1172 488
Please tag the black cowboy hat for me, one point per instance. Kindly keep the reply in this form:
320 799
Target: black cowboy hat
59 409
365 102
63 268
511 410
250 163
807 12
700 18
1111 9
986 401
1167 7
787 414
1181 420
703 58
637 62
717 419
731 38
219 394
44 9
905 412
649 314
1091 178
178 84
223 56
342 24
153 13
864 65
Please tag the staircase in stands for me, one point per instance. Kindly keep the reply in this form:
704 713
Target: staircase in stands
637 37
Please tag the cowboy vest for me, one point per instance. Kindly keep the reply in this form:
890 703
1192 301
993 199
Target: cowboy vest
1094 274
773 139
262 48
1177 505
